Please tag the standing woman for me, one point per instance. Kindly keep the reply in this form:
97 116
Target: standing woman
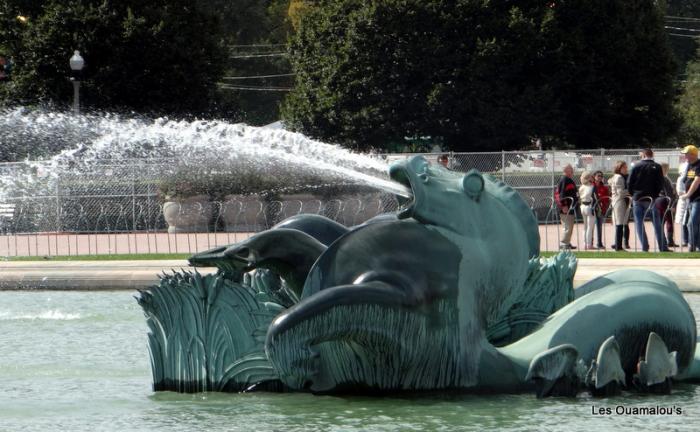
620 204
586 193
602 192
682 206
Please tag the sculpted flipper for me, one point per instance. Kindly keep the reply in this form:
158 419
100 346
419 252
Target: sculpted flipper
288 252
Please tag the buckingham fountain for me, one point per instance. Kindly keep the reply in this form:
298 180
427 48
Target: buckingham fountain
447 294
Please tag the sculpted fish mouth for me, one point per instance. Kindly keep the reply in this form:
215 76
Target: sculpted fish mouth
401 175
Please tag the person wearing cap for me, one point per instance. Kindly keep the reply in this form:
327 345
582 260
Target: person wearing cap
645 183
691 179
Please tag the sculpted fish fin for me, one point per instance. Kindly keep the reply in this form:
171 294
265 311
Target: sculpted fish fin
657 367
554 372
310 344
290 253
250 372
549 287
606 374
216 258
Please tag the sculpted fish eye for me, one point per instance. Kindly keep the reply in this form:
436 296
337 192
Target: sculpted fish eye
422 166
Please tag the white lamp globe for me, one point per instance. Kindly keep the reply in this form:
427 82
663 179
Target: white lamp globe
76 62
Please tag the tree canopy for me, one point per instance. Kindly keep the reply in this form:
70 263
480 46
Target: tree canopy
683 24
160 55
483 75
689 104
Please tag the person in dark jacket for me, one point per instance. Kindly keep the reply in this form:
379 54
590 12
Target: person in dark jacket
568 199
645 183
664 204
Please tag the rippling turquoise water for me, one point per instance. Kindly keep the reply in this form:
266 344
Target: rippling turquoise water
78 361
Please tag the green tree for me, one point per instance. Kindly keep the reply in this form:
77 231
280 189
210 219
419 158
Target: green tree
615 73
682 42
483 75
689 103
162 56
253 27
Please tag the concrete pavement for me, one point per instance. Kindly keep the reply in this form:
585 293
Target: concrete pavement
130 275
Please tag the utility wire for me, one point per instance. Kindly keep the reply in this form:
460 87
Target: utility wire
259 76
256 45
251 88
682 29
279 54
680 18
686 36
255 89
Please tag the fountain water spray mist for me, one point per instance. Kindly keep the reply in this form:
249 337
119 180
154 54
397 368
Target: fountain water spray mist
79 142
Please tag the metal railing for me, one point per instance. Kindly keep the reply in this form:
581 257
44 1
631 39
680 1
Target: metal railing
117 208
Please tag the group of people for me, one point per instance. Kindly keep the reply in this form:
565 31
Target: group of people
649 191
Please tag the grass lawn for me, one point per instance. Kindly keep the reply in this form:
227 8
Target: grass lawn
639 255
120 257
147 257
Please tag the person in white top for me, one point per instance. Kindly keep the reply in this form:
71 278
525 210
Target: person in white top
621 206
586 193
682 206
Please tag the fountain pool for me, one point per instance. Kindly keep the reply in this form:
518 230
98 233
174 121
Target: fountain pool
78 361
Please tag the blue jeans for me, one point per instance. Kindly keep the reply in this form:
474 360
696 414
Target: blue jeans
599 221
694 226
639 208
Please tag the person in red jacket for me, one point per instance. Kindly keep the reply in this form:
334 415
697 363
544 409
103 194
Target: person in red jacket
602 194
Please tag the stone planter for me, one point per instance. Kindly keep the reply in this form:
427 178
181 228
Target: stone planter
357 209
187 215
295 204
243 213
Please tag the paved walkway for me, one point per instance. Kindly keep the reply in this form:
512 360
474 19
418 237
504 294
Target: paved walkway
129 275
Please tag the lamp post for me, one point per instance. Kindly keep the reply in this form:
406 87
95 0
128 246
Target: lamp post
76 64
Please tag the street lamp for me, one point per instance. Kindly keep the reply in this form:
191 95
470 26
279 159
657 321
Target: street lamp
76 64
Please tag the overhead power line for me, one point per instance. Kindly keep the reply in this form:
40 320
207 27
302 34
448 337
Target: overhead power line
252 88
684 35
683 29
680 18
257 45
259 76
246 56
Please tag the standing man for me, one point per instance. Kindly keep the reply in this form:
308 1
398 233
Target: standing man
692 187
568 199
645 184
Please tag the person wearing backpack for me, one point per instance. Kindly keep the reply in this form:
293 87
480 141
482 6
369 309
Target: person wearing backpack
566 196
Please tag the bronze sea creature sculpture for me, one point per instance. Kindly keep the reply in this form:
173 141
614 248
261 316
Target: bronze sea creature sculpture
447 294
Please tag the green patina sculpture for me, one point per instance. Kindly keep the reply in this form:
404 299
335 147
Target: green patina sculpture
447 294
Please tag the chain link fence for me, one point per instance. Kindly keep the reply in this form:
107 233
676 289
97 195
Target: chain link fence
110 207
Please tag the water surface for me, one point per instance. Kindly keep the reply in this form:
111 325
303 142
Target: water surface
78 361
